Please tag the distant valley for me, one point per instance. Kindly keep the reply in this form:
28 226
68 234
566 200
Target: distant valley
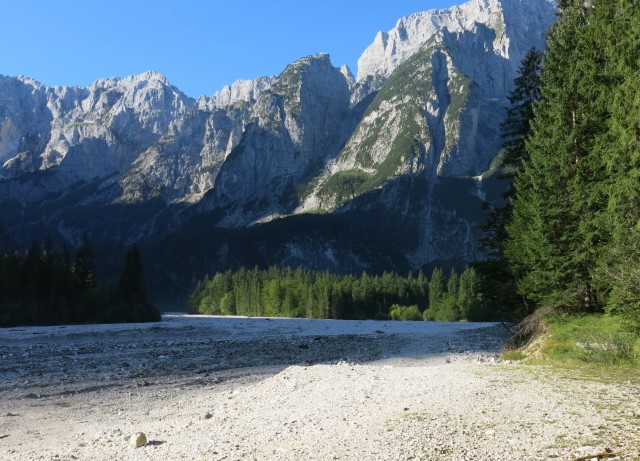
315 167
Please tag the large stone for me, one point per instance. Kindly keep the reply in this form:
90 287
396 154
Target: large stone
137 440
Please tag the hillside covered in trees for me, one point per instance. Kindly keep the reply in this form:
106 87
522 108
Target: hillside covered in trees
47 287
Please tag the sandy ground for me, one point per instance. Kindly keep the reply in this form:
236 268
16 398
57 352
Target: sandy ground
272 389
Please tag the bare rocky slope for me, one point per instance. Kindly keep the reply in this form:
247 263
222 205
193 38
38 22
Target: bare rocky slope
408 142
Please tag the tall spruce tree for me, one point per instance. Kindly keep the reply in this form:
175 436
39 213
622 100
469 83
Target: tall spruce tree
563 224
517 124
552 236
83 265
617 28
437 289
131 286
497 281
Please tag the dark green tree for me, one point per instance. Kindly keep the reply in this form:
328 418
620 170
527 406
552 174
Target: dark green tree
517 124
468 295
616 28
83 265
556 232
131 286
496 279
437 289
30 273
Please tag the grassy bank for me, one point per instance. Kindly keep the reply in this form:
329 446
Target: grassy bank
576 341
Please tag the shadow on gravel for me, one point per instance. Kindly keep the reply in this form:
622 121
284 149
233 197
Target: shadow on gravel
188 357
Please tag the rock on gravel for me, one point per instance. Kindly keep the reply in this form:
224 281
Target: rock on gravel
138 439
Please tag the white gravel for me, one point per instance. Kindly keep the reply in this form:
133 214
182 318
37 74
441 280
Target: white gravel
265 389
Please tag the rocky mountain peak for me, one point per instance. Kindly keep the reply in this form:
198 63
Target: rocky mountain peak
238 91
149 77
296 126
304 67
388 163
348 75
519 17
25 79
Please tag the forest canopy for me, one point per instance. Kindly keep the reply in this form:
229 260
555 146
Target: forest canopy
285 292
47 287
570 235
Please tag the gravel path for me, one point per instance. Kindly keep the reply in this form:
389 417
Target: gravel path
257 389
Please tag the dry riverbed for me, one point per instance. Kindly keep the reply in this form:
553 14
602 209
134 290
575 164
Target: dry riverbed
272 389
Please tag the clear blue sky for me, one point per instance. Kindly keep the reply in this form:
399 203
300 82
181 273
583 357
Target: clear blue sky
199 45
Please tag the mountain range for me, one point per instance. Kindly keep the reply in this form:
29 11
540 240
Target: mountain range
313 167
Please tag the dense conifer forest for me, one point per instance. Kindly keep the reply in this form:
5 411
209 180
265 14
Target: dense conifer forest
47 287
568 239
303 293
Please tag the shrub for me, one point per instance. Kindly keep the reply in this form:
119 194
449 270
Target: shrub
406 313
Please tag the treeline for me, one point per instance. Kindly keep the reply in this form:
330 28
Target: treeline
284 292
47 287
569 238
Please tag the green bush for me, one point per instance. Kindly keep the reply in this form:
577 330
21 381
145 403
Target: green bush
406 313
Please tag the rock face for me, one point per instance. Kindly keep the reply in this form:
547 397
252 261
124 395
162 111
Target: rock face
84 132
443 79
241 90
295 127
518 25
134 160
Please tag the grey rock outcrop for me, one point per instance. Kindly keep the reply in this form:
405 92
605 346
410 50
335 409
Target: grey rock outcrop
518 25
183 165
239 91
84 133
294 128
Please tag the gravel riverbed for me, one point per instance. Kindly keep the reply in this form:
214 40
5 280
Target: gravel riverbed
204 388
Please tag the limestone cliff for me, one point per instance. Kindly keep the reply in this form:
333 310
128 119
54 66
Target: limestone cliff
389 164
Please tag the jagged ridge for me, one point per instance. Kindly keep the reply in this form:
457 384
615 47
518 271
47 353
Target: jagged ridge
420 118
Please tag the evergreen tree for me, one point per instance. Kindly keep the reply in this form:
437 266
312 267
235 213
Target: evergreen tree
467 294
517 124
555 233
437 295
437 289
30 272
497 281
131 286
83 265
617 30
453 284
